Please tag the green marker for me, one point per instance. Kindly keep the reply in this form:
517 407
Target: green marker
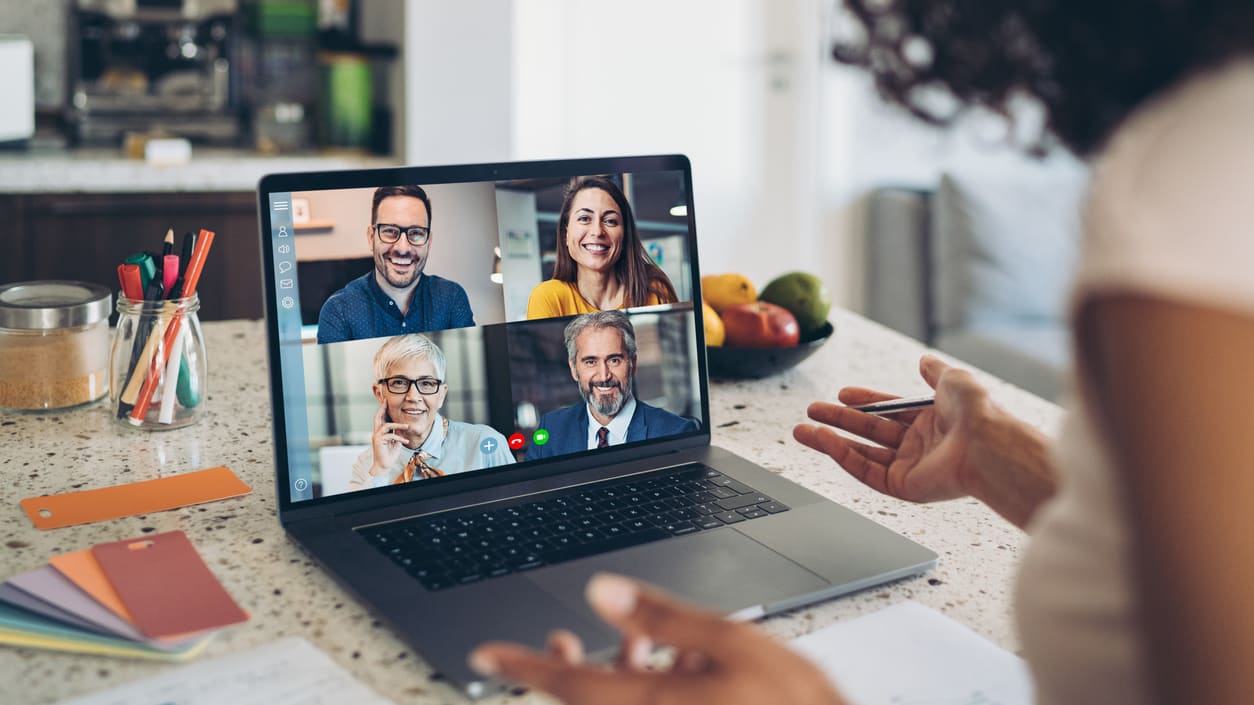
188 388
147 268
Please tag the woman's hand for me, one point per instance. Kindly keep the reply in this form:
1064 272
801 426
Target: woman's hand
919 456
386 442
716 661
963 445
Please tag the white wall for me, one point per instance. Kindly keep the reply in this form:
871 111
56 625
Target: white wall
456 61
719 80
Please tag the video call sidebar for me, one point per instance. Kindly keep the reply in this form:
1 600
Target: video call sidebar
287 296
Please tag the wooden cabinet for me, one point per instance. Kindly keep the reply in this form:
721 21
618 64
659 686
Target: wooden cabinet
84 236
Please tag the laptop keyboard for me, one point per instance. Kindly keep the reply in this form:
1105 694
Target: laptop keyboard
454 548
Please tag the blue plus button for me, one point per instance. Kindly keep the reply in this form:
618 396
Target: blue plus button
488 446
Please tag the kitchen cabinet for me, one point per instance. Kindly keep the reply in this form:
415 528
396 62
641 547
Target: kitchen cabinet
84 236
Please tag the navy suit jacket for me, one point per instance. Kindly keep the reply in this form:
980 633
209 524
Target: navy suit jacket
568 428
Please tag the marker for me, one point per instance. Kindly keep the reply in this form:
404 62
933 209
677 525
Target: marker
132 282
154 291
169 273
189 247
147 268
895 406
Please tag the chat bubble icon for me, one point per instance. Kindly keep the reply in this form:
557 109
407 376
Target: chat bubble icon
285 267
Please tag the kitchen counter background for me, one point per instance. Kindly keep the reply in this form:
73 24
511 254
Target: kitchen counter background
210 169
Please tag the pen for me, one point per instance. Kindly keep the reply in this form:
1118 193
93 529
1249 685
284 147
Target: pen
894 406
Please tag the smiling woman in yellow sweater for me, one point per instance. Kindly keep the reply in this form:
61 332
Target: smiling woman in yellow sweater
601 262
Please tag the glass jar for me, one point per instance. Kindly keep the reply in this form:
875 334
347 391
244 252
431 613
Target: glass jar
158 365
54 344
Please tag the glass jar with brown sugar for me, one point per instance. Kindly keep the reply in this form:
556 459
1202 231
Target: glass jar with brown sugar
54 344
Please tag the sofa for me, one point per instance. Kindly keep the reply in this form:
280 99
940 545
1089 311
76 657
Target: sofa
979 266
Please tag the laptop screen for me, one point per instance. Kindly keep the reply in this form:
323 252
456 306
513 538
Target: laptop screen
434 324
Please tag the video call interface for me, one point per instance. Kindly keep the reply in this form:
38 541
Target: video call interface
437 329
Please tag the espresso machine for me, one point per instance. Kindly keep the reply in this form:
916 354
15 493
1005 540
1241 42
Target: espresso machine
166 66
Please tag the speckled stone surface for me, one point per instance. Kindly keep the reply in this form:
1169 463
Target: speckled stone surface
105 171
287 594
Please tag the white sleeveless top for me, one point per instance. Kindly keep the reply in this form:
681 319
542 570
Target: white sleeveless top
1170 214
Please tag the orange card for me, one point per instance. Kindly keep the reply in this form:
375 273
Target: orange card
145 497
166 586
81 568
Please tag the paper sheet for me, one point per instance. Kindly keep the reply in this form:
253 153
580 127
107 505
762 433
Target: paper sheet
289 671
909 654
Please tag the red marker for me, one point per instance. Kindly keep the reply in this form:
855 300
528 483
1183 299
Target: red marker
132 283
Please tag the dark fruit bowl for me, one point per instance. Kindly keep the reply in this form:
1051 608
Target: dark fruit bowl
753 363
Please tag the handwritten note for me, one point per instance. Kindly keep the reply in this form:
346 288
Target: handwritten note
909 654
289 671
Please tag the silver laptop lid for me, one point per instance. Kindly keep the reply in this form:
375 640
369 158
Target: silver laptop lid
434 330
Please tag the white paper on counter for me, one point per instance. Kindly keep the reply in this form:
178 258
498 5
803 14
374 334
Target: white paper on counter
290 671
909 654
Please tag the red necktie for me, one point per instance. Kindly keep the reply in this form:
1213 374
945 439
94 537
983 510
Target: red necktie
603 437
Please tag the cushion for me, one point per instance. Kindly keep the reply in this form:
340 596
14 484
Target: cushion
1004 243
1032 357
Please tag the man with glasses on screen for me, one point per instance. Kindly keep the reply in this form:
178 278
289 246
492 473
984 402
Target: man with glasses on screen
412 440
396 297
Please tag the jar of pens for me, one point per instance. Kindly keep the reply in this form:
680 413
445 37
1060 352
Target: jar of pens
158 365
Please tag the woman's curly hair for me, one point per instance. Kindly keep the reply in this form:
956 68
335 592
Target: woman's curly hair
1088 62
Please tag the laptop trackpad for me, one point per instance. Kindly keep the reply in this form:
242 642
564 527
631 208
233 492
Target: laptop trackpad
722 570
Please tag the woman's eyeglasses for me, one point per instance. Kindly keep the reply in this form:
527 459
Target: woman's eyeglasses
416 234
400 385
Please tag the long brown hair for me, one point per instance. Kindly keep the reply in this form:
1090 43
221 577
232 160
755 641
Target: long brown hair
634 270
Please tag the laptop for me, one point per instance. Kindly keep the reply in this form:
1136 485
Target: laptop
514 497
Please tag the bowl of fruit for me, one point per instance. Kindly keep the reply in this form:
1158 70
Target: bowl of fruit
750 335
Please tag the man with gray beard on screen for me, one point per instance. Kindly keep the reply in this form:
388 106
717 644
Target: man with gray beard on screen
601 351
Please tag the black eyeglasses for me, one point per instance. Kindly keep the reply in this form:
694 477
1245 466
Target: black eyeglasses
400 385
416 234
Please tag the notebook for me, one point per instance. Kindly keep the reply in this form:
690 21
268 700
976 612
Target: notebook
463 437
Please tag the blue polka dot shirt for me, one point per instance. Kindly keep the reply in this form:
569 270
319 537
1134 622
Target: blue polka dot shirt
361 310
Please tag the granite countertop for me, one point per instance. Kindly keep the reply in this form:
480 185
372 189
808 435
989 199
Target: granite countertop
287 594
106 171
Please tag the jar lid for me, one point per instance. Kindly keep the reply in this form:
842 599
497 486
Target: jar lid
48 305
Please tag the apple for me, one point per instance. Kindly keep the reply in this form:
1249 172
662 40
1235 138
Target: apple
760 325
804 295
